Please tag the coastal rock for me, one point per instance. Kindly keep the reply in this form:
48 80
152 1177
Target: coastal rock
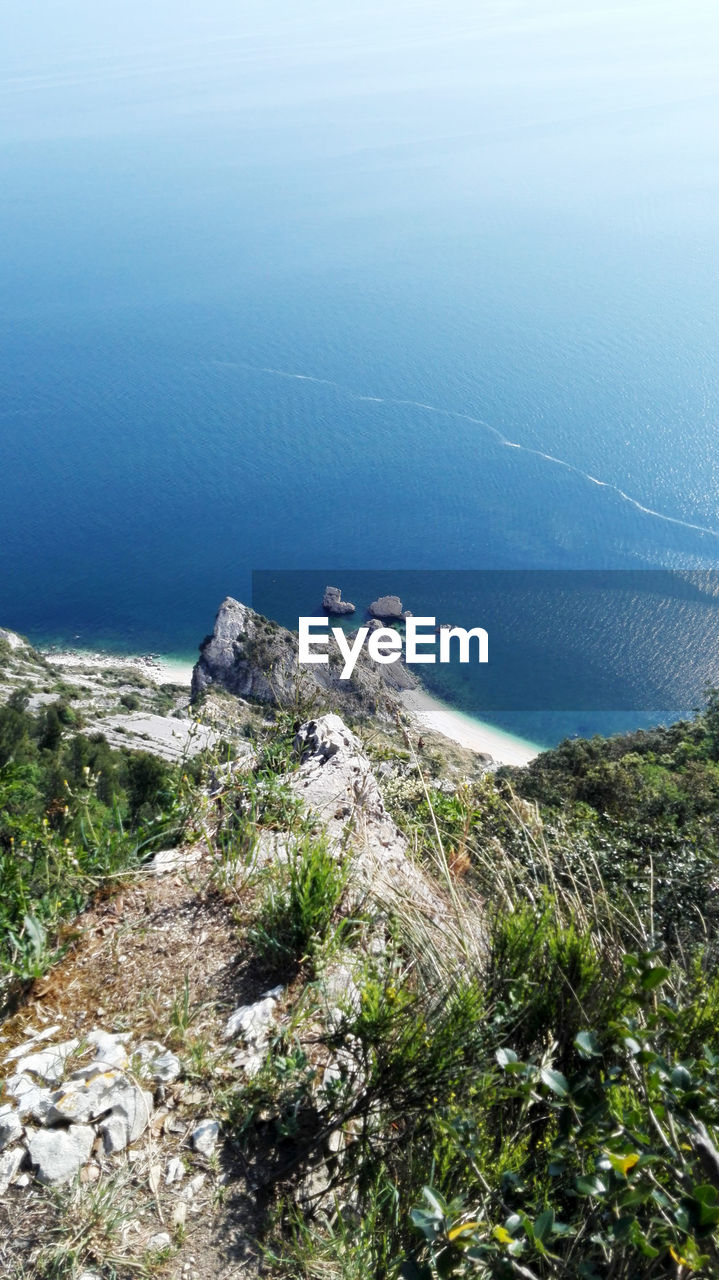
333 603
254 658
59 1154
336 782
387 609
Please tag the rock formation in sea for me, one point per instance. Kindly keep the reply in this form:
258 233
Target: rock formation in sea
333 603
388 609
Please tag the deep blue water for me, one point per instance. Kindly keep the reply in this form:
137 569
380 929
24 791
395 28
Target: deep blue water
294 286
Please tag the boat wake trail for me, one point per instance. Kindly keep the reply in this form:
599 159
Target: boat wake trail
457 415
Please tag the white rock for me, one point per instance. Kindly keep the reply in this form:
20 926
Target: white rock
161 1240
179 1214
253 1021
111 1051
169 860
81 1100
28 1046
166 1068
250 1063
193 1188
158 1062
33 1101
204 1137
114 1135
10 1164
128 1119
10 1126
175 1170
48 1064
60 1153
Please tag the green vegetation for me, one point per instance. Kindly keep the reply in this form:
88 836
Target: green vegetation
526 1087
72 813
297 909
549 1107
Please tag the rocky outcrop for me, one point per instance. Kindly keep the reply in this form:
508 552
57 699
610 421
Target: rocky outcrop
388 609
336 782
333 603
58 1112
254 658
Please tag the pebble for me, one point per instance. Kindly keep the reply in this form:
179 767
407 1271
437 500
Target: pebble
161 1240
175 1170
204 1136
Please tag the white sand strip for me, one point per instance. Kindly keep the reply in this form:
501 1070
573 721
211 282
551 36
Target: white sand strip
503 747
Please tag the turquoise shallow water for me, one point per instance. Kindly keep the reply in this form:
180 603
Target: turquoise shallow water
432 289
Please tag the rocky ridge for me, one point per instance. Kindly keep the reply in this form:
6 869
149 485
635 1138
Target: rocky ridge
81 1106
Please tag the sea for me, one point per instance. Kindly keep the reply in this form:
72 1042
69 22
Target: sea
344 286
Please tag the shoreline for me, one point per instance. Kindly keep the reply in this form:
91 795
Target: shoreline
475 735
426 711
160 668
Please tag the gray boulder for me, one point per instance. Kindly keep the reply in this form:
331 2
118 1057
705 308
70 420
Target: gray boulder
333 603
60 1153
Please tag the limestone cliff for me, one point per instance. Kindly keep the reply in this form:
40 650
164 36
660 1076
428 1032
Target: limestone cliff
254 658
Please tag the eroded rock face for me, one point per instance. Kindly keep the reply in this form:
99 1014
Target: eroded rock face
254 658
333 603
337 784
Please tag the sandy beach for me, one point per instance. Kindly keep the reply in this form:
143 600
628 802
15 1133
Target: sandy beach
468 732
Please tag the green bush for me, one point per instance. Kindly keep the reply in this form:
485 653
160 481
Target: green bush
297 911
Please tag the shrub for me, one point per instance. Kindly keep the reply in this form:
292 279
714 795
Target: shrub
297 911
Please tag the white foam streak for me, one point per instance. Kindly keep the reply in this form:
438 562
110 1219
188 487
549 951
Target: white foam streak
508 444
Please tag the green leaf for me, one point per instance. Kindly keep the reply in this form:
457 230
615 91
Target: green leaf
587 1044
435 1202
555 1081
591 1185
544 1225
654 978
505 1056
